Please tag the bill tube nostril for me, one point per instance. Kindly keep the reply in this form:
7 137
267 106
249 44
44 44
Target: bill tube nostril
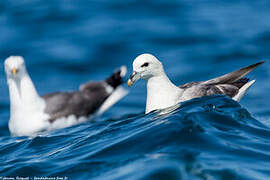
133 78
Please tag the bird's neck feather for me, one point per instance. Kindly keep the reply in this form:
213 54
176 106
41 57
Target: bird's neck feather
28 91
161 93
23 94
14 94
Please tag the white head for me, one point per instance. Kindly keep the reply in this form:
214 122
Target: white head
15 67
145 66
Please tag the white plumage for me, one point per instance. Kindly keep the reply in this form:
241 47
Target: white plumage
26 106
28 110
162 93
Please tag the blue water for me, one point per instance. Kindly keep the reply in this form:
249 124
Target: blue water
66 43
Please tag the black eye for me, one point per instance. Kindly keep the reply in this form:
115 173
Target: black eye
145 64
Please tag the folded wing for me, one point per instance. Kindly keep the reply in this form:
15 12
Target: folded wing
232 84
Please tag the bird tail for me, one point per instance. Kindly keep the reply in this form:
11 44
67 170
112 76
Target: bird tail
116 79
243 90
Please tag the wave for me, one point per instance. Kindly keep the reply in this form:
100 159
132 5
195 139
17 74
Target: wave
209 137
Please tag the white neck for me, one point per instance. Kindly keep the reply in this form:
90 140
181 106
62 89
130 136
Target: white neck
23 94
14 95
161 93
27 115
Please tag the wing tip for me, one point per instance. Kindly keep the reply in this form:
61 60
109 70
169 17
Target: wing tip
243 90
261 62
117 78
250 83
123 71
116 96
253 66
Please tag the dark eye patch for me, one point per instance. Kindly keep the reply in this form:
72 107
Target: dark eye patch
145 64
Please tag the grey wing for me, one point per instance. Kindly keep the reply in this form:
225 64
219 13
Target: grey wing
56 102
188 85
233 76
199 89
228 84
225 89
95 93
79 103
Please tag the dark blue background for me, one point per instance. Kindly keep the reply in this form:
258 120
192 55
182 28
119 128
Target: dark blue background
66 43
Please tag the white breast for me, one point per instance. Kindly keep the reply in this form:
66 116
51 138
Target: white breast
161 93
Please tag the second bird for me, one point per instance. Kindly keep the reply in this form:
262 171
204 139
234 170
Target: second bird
162 93
31 113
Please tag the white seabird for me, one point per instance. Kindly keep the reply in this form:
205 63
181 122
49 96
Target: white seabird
31 113
162 93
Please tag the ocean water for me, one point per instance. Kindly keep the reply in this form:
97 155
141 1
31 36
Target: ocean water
66 43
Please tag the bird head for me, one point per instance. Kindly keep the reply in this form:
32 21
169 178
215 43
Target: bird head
14 66
145 66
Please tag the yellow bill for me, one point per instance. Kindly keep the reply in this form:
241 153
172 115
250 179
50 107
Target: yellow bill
14 71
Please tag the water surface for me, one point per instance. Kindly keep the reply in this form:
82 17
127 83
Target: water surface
66 43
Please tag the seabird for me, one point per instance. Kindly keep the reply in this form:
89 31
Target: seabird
162 93
31 113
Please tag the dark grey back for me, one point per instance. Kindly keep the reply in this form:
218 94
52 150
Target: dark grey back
79 103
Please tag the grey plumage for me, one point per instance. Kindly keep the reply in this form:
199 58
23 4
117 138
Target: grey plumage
228 84
233 76
80 103
85 101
